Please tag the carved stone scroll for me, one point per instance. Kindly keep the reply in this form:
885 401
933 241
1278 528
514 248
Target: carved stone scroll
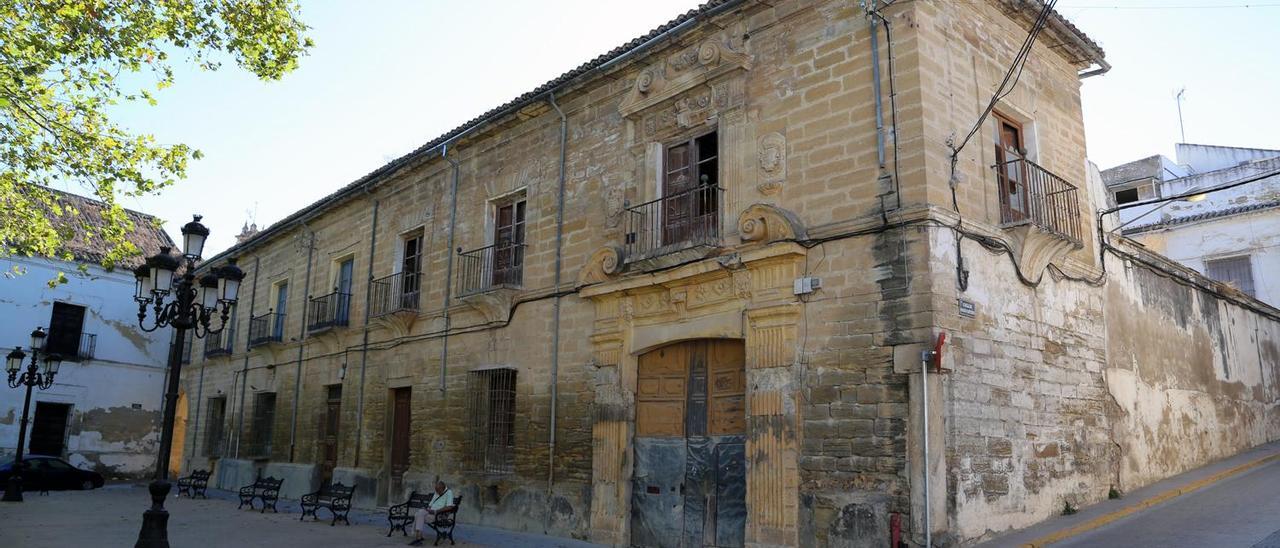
765 223
604 264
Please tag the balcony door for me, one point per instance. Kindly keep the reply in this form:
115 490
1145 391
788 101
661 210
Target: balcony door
691 175
1011 170
411 268
342 307
65 325
282 300
508 244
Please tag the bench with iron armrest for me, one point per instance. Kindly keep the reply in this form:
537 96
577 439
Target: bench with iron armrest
194 484
336 498
444 522
401 515
265 489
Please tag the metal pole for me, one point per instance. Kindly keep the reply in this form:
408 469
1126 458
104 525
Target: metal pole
13 493
924 470
155 521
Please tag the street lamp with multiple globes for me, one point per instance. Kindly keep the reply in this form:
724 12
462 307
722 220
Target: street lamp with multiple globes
30 378
186 304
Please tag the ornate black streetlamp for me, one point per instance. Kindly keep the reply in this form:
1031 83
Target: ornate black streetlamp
186 304
30 378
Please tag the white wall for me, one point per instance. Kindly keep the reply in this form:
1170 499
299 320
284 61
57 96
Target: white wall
116 397
1255 234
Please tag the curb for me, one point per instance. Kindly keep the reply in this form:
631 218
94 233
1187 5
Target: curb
1164 496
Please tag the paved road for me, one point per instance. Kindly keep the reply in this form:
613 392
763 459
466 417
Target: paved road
1241 511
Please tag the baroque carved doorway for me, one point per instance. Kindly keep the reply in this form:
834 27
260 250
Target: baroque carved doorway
689 486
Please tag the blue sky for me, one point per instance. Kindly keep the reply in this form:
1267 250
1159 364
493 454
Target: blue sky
387 76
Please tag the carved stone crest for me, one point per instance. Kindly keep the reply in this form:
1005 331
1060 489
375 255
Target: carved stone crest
685 70
613 202
773 163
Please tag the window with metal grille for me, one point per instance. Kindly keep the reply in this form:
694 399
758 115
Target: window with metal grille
491 405
213 432
1236 271
264 418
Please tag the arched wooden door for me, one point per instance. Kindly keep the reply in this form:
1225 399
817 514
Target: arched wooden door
689 486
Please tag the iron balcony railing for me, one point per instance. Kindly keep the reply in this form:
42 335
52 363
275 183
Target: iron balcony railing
1032 194
488 268
395 293
267 328
73 346
332 310
217 344
671 223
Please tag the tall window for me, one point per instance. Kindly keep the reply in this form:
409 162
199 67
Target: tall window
1236 271
492 408
282 302
411 269
691 175
508 244
214 417
342 310
65 325
264 418
1010 170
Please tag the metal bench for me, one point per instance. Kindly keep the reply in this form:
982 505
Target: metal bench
265 489
445 520
194 484
401 515
336 498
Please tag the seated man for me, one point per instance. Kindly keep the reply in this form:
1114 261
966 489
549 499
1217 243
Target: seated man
442 503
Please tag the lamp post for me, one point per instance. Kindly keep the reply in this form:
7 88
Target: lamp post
30 378
187 305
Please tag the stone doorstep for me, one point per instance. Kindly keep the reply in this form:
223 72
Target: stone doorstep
377 517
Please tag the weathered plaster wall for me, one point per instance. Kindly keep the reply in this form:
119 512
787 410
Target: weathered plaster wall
115 397
1060 392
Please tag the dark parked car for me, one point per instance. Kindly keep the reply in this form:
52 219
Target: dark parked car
52 473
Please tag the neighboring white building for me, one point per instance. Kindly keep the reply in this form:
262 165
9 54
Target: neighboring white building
1231 235
103 411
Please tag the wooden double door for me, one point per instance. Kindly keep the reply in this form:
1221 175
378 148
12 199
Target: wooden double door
689 485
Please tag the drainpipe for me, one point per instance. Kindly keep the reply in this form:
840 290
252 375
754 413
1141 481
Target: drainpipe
875 86
244 373
448 269
302 337
368 309
555 321
926 356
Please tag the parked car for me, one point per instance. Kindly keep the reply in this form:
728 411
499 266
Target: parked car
52 473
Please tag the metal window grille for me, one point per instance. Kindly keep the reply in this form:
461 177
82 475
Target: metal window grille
1232 270
214 418
491 406
264 418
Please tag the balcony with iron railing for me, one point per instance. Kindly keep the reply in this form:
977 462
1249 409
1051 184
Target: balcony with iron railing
400 292
489 268
218 344
265 329
72 346
1031 194
672 223
329 311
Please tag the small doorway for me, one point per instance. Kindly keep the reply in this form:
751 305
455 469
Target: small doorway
329 432
689 487
49 430
400 437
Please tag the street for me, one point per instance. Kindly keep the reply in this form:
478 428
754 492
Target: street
1243 511
111 516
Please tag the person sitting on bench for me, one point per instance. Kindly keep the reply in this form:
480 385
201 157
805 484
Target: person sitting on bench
441 504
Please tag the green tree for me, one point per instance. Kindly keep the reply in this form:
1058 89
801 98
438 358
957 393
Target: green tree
64 63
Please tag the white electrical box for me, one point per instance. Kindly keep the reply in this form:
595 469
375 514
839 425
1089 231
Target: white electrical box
806 285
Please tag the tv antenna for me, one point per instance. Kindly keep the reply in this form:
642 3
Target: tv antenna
1178 99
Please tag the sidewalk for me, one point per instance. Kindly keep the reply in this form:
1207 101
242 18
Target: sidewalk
1149 498
111 517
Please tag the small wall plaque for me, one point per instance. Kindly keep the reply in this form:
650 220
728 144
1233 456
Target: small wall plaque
967 308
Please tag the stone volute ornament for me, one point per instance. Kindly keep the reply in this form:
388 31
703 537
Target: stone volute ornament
772 155
682 71
765 223
603 265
